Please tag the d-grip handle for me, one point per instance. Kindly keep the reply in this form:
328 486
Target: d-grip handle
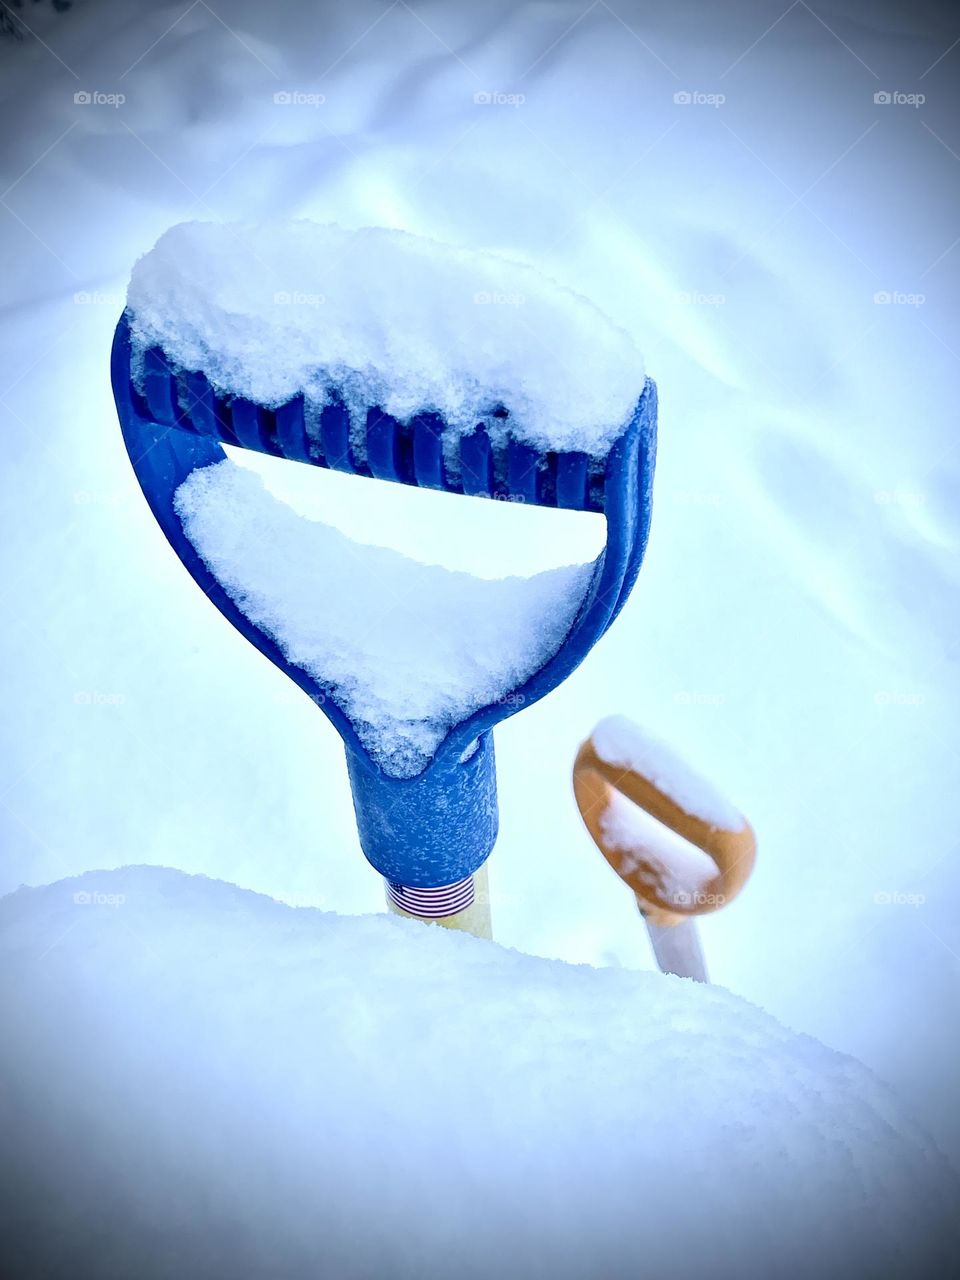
438 828
733 849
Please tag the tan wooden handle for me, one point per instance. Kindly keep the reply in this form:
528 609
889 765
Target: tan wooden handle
595 781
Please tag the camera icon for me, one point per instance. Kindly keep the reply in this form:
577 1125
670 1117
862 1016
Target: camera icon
82 98
683 98
282 98
882 298
483 98
883 98
282 298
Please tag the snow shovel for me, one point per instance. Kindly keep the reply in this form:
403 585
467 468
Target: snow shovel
679 845
428 835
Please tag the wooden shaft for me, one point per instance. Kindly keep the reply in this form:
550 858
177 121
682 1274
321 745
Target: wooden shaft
677 949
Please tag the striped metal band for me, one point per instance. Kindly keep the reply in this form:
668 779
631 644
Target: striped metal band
432 904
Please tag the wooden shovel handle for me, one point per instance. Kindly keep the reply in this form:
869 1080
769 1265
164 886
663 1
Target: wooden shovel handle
733 850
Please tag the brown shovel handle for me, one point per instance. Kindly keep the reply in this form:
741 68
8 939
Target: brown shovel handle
594 782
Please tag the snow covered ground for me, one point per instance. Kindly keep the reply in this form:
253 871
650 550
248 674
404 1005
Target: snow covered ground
257 1090
750 191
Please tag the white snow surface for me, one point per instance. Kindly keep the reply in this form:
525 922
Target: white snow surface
199 1081
676 869
390 320
621 741
406 649
787 262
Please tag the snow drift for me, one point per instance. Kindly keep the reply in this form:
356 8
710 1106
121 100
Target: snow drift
201 1081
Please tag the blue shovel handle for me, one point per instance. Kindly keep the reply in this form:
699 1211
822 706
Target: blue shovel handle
440 826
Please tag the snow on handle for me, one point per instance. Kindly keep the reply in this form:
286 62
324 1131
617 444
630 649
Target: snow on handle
418 649
620 741
679 871
385 319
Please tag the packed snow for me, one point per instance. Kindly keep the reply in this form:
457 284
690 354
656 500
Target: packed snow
406 649
381 318
200 1082
677 871
621 741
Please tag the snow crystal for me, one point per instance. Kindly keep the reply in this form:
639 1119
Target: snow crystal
386 319
406 649
621 742
203 1082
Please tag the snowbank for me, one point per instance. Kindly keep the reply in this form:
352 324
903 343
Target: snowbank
202 1081
406 649
386 319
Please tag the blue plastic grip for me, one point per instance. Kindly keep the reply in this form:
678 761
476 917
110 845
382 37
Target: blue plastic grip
431 830
440 826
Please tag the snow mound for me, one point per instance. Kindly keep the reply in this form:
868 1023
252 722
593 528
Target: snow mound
406 649
386 319
200 1081
620 741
